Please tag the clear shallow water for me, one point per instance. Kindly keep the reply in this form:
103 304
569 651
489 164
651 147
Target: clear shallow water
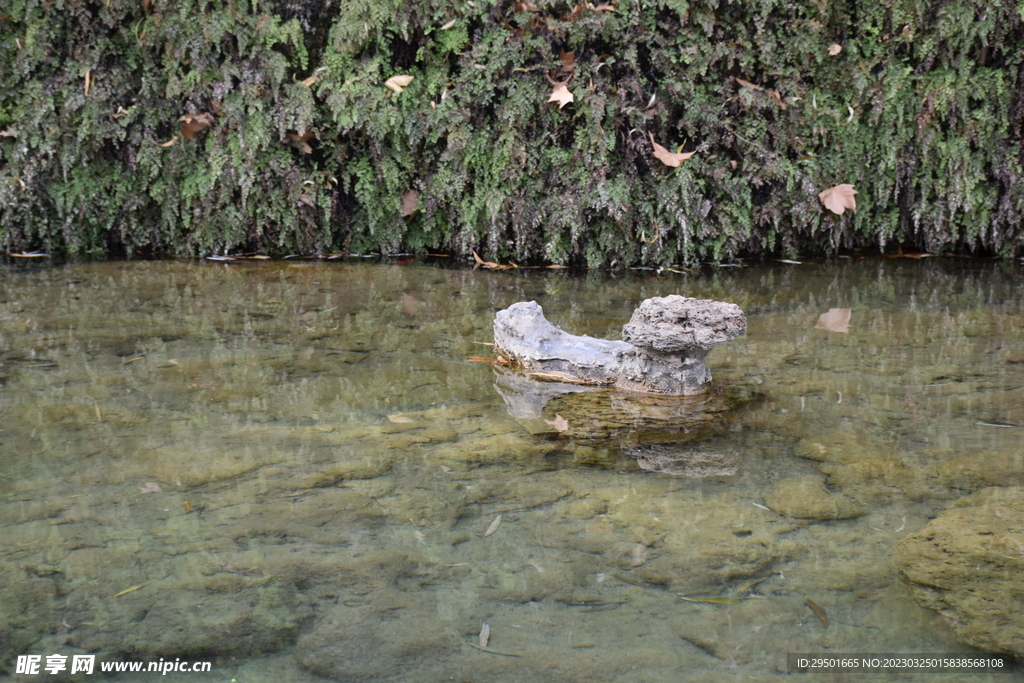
294 465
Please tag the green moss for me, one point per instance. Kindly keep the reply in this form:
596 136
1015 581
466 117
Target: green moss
920 111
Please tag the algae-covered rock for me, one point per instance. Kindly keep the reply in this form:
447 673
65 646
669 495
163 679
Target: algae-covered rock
968 563
807 498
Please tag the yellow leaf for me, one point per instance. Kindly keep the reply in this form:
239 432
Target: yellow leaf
666 157
839 198
396 83
169 142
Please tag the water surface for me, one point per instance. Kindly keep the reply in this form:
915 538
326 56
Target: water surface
290 469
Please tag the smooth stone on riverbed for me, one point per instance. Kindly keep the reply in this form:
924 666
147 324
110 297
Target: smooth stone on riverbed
807 498
968 564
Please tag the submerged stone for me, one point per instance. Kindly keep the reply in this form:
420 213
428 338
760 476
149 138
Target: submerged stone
968 564
807 498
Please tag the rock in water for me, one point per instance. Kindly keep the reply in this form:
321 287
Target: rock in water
663 350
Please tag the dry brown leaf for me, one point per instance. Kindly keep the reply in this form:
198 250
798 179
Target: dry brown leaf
493 527
312 79
409 304
301 141
410 203
560 93
193 123
485 635
559 423
480 263
169 142
839 198
666 157
604 8
753 86
836 320
568 60
818 612
396 83
526 7
834 49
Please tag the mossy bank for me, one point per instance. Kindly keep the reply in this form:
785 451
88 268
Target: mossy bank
190 127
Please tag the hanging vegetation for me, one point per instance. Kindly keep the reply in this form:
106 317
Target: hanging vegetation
544 131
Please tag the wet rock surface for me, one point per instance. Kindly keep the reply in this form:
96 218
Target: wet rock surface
663 349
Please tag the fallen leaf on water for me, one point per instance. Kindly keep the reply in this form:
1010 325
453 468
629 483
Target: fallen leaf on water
193 123
559 423
909 254
150 487
480 263
493 527
666 157
400 418
133 588
818 612
712 601
839 198
836 320
397 83
485 635
410 203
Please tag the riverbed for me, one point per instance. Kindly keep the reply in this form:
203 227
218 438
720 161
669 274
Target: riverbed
308 471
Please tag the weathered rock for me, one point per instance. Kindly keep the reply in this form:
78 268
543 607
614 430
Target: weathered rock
968 563
665 344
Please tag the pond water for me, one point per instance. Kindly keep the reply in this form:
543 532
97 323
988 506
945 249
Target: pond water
302 471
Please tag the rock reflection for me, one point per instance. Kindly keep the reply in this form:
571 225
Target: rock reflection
680 461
